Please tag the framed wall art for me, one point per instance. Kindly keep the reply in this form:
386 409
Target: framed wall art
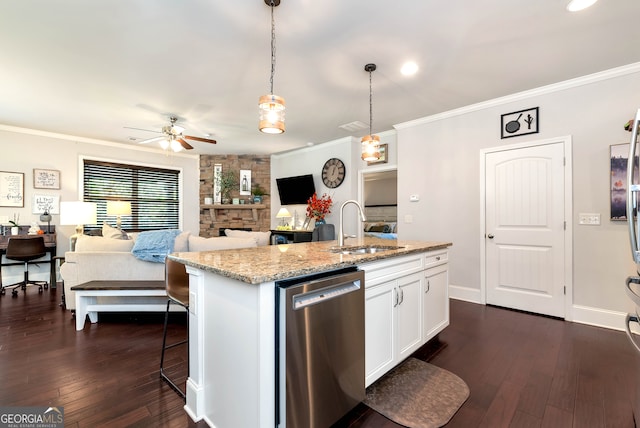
46 179
245 182
11 189
383 155
619 154
48 203
518 123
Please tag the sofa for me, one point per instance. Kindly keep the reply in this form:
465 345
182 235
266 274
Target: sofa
110 257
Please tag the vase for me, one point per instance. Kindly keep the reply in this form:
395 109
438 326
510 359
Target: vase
257 199
15 230
320 221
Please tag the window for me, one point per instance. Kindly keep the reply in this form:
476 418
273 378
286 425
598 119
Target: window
154 194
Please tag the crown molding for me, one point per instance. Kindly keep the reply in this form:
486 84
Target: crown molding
519 96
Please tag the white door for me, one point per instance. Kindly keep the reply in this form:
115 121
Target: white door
525 224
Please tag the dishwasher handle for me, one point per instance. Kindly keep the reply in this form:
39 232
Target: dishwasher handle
304 300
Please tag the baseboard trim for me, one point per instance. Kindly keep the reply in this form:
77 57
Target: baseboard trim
466 294
597 317
588 315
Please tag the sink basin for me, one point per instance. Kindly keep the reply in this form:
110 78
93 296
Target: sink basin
364 249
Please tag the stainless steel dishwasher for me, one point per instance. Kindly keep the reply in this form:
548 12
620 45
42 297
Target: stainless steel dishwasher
320 348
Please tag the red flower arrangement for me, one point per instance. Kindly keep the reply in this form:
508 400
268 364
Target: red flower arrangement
319 207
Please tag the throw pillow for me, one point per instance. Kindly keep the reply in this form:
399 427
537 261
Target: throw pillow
261 238
198 243
99 243
113 232
181 243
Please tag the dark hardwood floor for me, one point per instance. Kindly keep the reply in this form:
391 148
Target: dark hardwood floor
523 370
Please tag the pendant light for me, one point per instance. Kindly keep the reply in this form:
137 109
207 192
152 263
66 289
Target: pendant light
271 107
370 143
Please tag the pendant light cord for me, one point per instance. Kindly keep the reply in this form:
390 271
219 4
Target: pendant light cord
370 104
273 47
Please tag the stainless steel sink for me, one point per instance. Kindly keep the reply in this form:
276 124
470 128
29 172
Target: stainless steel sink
364 249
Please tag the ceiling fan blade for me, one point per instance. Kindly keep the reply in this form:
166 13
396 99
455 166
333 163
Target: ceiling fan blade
140 129
151 140
203 140
184 144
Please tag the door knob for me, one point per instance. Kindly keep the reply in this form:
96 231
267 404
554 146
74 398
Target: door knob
490 236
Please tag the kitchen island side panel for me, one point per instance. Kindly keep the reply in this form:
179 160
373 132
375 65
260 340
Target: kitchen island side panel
237 354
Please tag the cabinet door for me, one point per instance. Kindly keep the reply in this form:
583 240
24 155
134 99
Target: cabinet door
435 301
379 330
409 315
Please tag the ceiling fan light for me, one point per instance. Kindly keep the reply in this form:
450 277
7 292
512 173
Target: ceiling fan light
176 146
164 143
272 110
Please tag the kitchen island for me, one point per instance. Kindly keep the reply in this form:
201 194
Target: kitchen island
232 313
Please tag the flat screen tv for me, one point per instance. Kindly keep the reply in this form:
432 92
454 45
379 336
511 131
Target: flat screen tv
295 190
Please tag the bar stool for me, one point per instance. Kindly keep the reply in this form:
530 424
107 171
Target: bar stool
177 285
25 249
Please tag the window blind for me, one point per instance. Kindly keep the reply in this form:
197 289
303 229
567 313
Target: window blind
153 193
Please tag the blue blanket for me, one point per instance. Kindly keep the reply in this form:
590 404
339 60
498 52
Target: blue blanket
154 245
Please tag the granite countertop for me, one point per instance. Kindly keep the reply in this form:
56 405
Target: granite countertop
274 262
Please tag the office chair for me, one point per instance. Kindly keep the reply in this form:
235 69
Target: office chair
25 249
177 285
323 232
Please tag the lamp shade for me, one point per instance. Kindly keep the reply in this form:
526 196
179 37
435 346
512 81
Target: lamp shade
370 148
118 208
272 109
283 213
78 212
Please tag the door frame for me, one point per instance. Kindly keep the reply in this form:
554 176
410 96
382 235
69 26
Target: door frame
362 174
568 209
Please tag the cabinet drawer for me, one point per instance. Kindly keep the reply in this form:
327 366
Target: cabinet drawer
384 270
436 258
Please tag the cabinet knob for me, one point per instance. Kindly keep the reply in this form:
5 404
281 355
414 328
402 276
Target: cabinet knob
490 236
437 258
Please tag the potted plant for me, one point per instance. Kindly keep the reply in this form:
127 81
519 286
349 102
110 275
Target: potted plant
15 227
258 192
226 181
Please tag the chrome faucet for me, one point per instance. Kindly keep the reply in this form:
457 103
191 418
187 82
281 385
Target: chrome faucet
341 234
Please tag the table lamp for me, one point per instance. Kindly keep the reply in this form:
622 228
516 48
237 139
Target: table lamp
282 214
45 216
78 213
118 208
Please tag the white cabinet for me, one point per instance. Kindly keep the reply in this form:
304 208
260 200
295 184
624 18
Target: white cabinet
393 312
435 302
406 304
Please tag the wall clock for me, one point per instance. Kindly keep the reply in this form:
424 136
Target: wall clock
333 173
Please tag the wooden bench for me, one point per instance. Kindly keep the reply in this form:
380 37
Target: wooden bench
87 294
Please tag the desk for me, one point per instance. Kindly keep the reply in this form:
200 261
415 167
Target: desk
49 243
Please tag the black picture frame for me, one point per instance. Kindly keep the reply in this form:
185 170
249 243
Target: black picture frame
521 122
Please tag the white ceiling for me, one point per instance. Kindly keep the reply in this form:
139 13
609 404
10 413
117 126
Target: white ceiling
92 68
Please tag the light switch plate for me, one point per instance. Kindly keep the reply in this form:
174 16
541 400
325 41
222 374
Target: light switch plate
414 198
590 219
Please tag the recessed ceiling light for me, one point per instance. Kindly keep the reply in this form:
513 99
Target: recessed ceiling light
409 68
576 5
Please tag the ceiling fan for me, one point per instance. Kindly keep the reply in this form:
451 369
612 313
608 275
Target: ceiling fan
173 137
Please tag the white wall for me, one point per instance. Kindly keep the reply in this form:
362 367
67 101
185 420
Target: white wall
310 160
439 159
24 150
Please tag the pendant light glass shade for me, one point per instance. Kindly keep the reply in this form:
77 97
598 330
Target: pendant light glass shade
370 148
371 142
271 114
271 107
